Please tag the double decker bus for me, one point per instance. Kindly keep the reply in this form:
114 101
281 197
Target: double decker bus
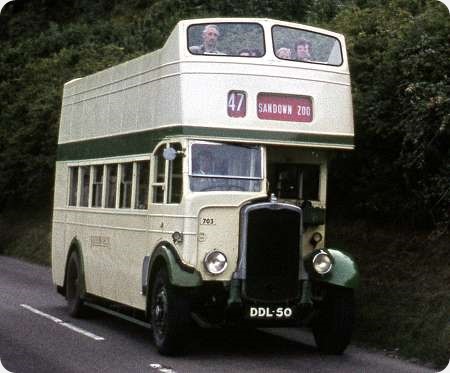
191 183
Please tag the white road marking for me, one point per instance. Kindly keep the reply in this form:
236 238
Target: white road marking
62 323
2 4
40 313
162 368
3 369
167 370
446 370
82 331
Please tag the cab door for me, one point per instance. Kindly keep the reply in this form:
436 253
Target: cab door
166 213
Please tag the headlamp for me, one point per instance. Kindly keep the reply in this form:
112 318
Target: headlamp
322 263
215 262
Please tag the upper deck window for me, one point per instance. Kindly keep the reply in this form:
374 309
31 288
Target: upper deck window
227 39
306 46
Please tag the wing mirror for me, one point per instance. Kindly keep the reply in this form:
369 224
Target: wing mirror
170 154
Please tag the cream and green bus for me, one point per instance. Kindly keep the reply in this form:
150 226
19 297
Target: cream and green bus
191 182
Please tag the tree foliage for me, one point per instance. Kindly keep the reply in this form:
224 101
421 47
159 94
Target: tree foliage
399 63
398 53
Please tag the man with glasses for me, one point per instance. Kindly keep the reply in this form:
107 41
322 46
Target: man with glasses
210 35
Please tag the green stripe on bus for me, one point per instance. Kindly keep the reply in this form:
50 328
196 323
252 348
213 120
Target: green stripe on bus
145 141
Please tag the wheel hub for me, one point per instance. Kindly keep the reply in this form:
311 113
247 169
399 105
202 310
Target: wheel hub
160 309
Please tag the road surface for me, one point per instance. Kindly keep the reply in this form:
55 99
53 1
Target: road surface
37 335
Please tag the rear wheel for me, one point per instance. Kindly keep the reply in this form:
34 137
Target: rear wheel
74 283
169 315
333 324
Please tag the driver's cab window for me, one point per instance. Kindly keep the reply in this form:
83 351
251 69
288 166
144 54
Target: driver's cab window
167 183
295 181
225 167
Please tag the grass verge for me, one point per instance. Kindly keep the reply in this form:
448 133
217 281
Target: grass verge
26 235
404 298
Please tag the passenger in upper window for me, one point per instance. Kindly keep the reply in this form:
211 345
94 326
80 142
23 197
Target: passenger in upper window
250 52
210 35
245 52
284 53
303 50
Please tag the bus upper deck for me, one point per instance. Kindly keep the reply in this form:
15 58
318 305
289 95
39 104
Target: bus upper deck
263 81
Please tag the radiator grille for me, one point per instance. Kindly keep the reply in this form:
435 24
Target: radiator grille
273 254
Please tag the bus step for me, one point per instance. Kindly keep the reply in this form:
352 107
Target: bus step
118 314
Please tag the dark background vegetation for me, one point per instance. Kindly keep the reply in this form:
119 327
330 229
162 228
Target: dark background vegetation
389 200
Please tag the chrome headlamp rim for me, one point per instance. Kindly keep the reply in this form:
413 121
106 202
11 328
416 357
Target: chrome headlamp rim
322 253
208 256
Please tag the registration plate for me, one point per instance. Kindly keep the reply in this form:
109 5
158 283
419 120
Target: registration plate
289 108
270 313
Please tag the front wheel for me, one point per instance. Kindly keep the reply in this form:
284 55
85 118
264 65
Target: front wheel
333 324
169 315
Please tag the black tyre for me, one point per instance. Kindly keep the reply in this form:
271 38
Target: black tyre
333 324
74 284
169 315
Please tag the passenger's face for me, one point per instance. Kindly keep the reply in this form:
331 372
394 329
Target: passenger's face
286 54
303 51
210 36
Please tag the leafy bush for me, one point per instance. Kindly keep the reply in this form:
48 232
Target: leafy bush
400 169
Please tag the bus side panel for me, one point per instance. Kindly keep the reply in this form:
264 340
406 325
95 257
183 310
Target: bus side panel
128 104
59 249
82 225
122 255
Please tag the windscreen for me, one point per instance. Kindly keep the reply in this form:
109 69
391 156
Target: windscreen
225 167
306 46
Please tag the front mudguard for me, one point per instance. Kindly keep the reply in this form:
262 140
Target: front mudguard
179 274
344 272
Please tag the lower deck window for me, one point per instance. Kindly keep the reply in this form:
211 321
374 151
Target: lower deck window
111 185
118 185
85 174
97 186
73 188
142 184
125 185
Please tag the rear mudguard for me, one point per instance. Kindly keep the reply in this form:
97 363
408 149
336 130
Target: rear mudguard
344 272
75 245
